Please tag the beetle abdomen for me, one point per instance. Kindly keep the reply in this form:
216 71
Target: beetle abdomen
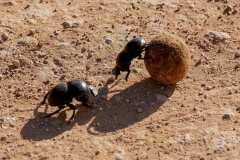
59 95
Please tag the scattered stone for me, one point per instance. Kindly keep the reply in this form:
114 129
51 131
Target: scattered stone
40 54
237 55
24 61
198 62
3 138
56 33
83 50
9 3
63 45
108 40
89 55
15 64
185 139
227 11
28 42
215 36
70 24
238 109
7 121
27 6
4 37
66 25
139 110
57 62
98 59
97 153
119 157
237 66
208 88
17 93
226 117
31 32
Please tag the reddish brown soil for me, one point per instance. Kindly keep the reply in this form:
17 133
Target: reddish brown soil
197 120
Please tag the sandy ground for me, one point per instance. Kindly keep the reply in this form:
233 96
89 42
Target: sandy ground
134 120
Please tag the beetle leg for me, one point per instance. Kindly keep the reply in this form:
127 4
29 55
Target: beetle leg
128 72
71 106
117 74
40 104
49 115
46 108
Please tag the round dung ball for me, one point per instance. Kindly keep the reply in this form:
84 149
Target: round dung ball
167 58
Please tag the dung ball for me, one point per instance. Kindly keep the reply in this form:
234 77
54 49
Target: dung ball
167 58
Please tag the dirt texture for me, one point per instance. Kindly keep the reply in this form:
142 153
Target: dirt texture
44 42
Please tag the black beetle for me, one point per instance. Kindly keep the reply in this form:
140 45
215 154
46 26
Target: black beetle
63 93
133 49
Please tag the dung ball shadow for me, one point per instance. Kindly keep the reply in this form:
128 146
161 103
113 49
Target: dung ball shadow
130 106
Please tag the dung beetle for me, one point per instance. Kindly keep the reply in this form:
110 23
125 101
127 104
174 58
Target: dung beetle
63 93
133 49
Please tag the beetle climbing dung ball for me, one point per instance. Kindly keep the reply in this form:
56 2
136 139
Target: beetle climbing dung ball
167 59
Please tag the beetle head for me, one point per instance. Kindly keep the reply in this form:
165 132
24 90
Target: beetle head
93 91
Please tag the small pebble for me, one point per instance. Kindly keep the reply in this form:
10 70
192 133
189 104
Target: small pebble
237 55
28 41
7 121
83 50
108 41
98 59
227 11
237 66
15 64
238 109
3 138
198 62
4 37
57 62
10 3
40 54
97 153
119 157
226 117
24 61
70 24
218 36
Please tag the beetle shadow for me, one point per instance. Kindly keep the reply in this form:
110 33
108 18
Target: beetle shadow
38 129
129 106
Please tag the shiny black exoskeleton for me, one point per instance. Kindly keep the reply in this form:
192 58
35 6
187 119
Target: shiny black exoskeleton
63 93
133 49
